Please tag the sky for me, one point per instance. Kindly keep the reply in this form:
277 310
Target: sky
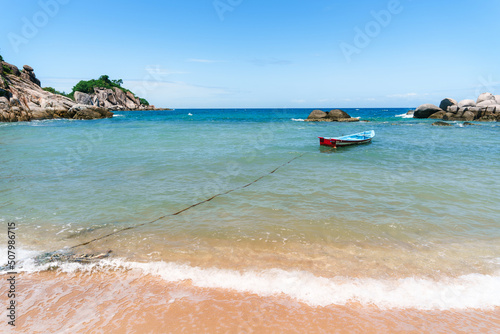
262 54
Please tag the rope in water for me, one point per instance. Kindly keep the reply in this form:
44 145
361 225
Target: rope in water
185 209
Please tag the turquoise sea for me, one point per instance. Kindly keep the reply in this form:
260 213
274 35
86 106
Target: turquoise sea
409 221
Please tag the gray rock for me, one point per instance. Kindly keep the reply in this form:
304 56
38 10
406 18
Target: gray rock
40 113
468 116
317 114
461 111
485 97
453 109
4 103
497 98
120 96
425 110
439 123
486 103
448 116
438 115
337 114
29 75
493 108
446 103
83 98
466 103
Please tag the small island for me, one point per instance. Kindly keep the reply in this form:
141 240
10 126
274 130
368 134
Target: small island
335 115
23 99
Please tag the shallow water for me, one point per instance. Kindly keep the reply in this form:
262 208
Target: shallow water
407 226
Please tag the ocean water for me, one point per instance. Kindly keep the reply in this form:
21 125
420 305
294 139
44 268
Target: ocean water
402 234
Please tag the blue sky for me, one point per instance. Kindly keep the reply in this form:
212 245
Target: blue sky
256 53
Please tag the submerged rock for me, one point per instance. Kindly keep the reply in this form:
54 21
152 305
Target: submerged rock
439 123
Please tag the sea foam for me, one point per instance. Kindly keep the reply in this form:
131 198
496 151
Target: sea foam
475 291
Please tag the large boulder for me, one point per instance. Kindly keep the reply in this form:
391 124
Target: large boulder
317 114
337 114
485 97
106 97
29 75
438 115
466 103
83 98
425 110
82 111
486 103
12 68
468 116
447 103
497 98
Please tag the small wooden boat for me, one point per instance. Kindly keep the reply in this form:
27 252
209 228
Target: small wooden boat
354 139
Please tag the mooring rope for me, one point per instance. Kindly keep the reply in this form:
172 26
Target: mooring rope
185 209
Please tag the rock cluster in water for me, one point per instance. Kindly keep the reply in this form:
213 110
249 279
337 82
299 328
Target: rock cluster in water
335 115
22 99
485 108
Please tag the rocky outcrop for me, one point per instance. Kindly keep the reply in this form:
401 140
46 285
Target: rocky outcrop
22 99
82 98
113 99
29 74
335 115
426 110
486 108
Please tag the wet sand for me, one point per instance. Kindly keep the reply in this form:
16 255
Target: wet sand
128 301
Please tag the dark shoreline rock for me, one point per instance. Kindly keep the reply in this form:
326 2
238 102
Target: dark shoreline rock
335 115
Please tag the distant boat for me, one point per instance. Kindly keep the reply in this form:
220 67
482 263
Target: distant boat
354 139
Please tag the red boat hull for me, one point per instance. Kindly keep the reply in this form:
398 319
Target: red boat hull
337 142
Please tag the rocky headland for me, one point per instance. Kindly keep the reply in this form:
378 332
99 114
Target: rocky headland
485 108
335 115
23 99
